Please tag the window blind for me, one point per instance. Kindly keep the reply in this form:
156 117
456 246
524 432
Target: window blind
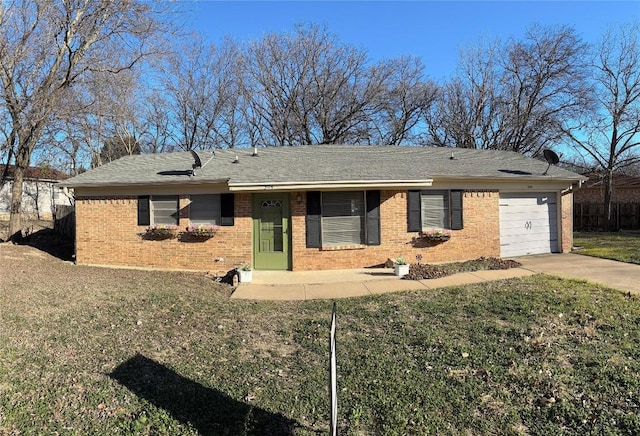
204 209
343 218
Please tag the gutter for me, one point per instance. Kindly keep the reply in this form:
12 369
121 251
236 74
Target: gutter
338 184
158 183
518 178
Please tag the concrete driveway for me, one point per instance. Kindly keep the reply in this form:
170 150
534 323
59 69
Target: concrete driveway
619 275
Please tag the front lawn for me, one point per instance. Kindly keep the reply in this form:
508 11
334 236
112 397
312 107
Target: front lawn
105 351
622 246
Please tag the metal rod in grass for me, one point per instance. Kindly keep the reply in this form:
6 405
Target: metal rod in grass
333 384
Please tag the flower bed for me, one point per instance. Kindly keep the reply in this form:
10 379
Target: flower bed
436 235
201 231
422 271
161 231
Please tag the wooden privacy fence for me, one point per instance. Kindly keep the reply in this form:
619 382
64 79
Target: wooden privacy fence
64 221
590 216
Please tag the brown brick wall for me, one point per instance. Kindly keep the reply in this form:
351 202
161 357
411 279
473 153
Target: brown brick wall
596 195
480 236
566 230
107 234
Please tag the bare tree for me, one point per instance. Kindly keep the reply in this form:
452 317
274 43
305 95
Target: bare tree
307 88
46 46
612 136
199 96
544 87
344 92
117 147
521 96
158 133
395 116
273 74
100 108
466 112
284 89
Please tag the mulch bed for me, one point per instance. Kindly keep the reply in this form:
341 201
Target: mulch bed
423 271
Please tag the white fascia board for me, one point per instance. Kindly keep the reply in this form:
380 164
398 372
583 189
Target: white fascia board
324 185
140 184
506 184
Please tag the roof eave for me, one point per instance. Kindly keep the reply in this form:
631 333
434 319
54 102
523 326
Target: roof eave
158 183
334 184
514 178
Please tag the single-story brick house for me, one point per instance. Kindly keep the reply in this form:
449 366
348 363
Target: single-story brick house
322 207
40 192
626 189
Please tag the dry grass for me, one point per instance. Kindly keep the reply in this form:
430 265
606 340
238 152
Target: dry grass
622 246
110 351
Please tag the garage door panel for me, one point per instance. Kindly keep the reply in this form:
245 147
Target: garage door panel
522 196
536 227
521 237
514 250
536 222
518 235
535 209
528 223
533 249
540 211
516 209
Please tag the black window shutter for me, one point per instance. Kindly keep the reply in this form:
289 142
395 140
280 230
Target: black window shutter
414 223
373 217
314 213
456 210
144 214
226 209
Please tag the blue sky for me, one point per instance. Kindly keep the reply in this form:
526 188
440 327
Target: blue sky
431 30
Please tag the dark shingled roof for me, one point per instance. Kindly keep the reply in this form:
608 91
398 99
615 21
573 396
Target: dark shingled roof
320 163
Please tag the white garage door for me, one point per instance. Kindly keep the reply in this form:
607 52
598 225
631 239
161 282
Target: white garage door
528 223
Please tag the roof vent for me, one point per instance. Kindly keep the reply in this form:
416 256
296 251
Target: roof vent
452 157
237 159
255 152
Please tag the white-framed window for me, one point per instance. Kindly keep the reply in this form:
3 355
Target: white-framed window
204 209
164 209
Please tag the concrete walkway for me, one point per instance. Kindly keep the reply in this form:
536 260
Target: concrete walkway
611 273
310 285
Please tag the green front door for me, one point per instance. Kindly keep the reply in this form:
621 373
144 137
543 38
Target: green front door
271 231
